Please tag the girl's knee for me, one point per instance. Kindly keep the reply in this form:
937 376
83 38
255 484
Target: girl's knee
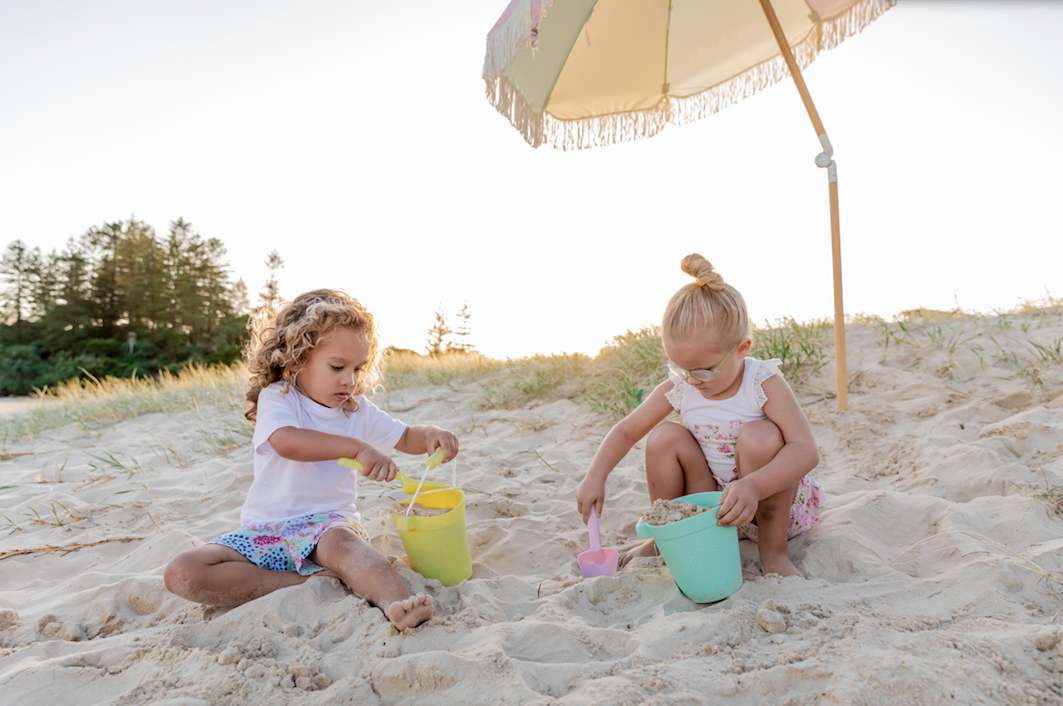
337 544
762 435
758 443
667 436
182 573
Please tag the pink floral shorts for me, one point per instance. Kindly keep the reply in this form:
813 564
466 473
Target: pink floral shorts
804 513
286 545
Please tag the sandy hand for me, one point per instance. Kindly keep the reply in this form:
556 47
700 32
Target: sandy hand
411 612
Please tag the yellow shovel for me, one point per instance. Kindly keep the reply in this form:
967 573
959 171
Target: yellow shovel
410 486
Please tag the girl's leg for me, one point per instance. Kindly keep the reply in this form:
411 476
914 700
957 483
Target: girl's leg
675 466
369 575
220 576
758 443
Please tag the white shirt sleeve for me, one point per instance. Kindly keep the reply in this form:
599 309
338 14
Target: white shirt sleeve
675 395
766 370
378 427
275 411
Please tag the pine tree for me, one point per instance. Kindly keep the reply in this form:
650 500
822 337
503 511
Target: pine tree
44 285
183 252
214 284
270 295
107 305
461 342
241 301
73 306
437 333
16 267
142 276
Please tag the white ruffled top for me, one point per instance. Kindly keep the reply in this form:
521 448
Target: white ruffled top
715 423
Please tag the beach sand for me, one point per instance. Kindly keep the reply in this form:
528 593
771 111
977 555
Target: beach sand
915 593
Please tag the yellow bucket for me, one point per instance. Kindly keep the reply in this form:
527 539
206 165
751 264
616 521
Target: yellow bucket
437 547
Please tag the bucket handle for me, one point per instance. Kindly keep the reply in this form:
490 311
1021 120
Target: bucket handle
432 462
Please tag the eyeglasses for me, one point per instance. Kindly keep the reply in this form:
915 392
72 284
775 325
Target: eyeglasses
701 375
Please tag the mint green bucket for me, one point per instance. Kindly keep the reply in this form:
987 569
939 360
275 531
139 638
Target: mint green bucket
702 556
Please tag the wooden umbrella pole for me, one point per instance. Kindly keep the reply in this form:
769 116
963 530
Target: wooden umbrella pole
824 159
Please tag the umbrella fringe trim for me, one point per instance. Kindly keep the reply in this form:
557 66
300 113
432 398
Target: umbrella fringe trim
511 39
542 128
508 101
539 129
825 35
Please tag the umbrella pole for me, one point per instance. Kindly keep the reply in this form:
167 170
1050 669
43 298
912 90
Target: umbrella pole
824 159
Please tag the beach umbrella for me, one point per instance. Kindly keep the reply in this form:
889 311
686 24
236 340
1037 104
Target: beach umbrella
574 74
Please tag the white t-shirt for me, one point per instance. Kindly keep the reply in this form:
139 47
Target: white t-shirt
284 489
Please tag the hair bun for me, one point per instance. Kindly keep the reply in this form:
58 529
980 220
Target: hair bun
702 271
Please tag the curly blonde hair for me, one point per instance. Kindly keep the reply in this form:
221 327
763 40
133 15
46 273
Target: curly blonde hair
282 337
706 304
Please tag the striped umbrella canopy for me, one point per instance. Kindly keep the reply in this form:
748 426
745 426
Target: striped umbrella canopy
574 74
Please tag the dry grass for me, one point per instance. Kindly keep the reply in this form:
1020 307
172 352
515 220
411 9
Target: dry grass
95 404
539 377
405 368
625 372
62 549
618 379
799 345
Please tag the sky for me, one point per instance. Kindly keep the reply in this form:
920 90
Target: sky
355 139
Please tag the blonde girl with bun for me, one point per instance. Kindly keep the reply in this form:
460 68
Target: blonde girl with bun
310 363
742 431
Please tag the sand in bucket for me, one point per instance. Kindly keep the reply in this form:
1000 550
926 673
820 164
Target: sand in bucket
702 556
437 547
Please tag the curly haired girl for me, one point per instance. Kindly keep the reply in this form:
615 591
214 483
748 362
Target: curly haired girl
310 362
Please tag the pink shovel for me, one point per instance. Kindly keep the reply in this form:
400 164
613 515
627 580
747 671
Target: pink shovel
597 561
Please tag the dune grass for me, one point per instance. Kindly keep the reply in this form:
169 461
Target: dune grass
956 345
614 382
628 368
801 346
93 404
406 369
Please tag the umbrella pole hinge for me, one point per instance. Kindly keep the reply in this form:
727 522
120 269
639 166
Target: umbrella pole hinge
825 159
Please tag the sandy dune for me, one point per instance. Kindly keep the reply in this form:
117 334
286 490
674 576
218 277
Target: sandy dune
913 594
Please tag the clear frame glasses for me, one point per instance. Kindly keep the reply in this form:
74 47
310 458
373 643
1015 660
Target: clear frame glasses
701 375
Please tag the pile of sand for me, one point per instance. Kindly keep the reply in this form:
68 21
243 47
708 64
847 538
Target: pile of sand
418 510
665 512
933 576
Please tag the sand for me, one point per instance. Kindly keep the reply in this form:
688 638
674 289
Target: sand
665 512
418 510
917 587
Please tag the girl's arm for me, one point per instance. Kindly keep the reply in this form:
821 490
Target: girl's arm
308 445
619 440
797 457
426 438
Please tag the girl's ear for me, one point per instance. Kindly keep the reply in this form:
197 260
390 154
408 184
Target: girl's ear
744 347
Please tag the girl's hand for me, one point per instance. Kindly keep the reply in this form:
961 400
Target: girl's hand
437 438
738 504
590 493
376 465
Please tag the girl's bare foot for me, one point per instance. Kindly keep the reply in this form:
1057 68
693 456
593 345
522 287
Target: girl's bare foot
779 564
647 548
411 612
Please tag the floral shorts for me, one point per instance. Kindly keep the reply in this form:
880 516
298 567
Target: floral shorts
286 545
804 513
